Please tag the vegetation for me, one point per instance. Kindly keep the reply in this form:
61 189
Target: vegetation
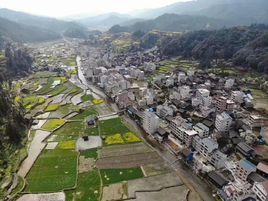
111 176
52 107
55 170
97 101
245 46
30 102
53 124
112 126
85 114
114 139
91 153
130 137
88 187
86 98
67 144
13 125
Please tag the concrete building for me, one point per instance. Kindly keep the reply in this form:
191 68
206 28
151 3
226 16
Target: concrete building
243 169
261 190
202 130
223 122
229 83
164 110
150 122
238 96
184 92
208 149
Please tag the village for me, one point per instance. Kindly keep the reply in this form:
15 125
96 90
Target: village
207 121
138 126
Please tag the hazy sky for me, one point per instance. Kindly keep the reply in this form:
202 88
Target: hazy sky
60 8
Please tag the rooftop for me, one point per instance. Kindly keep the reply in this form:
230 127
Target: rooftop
247 165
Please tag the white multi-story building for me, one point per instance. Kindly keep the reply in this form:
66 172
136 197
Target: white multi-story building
223 122
164 110
202 130
184 92
208 149
229 83
181 77
237 96
181 130
150 122
261 190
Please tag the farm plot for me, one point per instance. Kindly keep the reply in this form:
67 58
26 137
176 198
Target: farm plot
88 187
128 160
53 124
54 171
30 102
116 191
111 176
74 130
167 194
69 131
112 126
86 113
121 150
154 183
92 153
64 110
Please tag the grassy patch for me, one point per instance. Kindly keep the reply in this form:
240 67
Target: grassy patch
67 144
31 102
85 114
88 187
97 101
64 110
55 170
52 124
91 153
86 98
112 126
111 176
114 139
70 131
52 107
130 137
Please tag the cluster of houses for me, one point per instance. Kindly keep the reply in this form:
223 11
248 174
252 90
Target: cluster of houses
207 121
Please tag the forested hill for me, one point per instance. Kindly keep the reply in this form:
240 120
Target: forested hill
24 27
13 125
245 46
173 23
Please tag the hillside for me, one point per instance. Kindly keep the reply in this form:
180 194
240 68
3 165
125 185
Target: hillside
245 46
105 21
173 23
42 24
24 33
13 125
235 12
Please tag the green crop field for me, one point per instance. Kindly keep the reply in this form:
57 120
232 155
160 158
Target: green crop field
91 153
55 170
70 131
88 187
74 130
86 98
111 176
52 124
112 126
64 110
85 114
